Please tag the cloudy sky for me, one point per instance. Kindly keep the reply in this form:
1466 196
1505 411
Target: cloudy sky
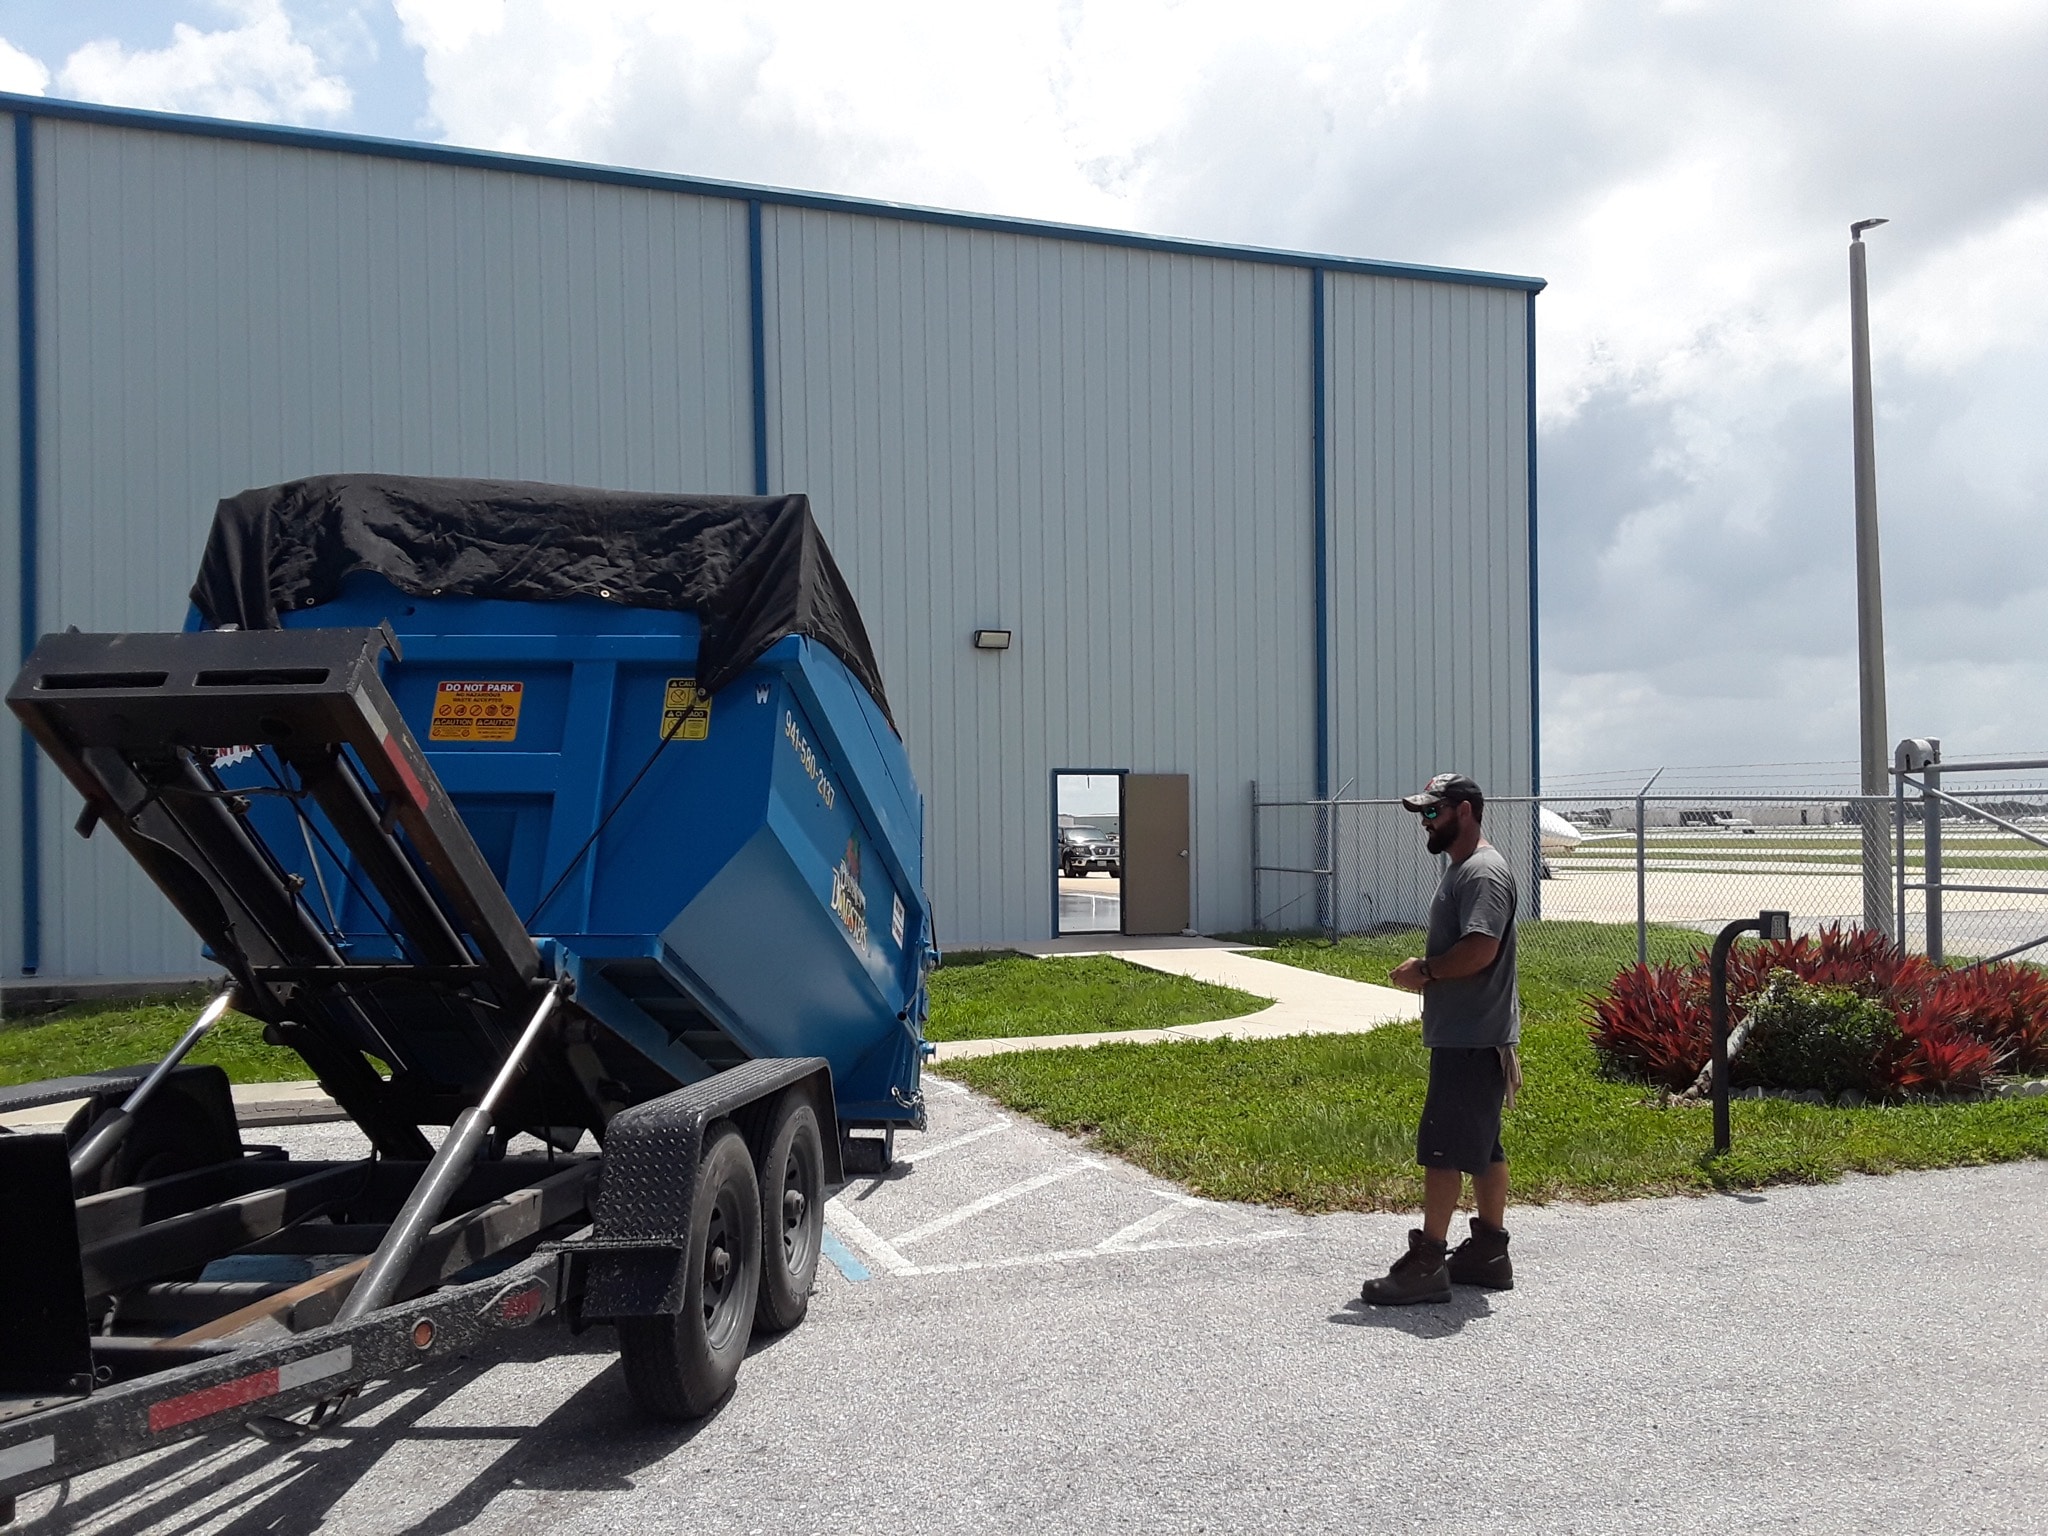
1683 174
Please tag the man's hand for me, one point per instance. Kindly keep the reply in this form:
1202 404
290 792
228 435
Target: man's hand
1468 957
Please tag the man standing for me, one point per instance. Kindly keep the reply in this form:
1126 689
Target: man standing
1471 1023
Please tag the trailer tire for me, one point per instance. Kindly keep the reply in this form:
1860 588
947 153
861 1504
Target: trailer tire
682 1367
792 1214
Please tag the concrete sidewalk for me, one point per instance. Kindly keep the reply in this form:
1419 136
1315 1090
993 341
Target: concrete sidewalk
1304 1002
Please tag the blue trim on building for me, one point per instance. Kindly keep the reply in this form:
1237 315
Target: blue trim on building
1319 434
757 329
1535 684
30 503
570 170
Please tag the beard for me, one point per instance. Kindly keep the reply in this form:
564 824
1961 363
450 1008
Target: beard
1441 836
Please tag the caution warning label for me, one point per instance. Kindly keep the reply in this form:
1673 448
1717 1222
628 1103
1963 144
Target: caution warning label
685 711
476 711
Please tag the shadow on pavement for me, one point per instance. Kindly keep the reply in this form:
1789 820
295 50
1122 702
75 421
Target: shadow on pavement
1424 1320
593 1441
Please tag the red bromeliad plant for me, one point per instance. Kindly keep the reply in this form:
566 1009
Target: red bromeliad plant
2003 1005
1957 1028
1653 1023
1936 1055
1860 959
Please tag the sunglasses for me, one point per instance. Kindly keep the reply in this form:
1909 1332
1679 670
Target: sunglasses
1435 811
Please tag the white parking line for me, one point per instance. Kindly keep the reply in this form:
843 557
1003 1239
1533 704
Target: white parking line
1140 1227
958 1141
989 1202
1076 1255
879 1248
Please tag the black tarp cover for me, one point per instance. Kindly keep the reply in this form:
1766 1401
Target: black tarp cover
752 568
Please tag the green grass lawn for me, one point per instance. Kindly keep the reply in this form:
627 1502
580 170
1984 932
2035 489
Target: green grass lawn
975 996
1327 1122
88 1037
999 994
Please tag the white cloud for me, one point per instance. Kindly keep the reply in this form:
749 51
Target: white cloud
1683 173
20 72
257 69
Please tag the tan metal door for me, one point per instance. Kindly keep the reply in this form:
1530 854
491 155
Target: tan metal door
1155 839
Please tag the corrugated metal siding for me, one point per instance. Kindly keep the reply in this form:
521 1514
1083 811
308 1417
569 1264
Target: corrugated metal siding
219 315
1105 451
10 569
1429 567
1429 558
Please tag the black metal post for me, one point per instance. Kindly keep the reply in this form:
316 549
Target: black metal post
1771 925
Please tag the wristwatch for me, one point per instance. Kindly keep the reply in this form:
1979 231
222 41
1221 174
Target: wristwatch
1427 974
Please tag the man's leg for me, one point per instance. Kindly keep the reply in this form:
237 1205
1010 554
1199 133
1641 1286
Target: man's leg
1482 1259
1440 1190
1490 1194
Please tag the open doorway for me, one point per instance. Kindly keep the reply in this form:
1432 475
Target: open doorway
1087 853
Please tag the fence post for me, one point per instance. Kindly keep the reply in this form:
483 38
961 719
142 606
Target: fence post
1930 858
1258 921
1642 884
1326 891
1877 879
1336 886
1899 822
1643 869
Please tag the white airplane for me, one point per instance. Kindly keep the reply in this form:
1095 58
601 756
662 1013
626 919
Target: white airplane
1554 833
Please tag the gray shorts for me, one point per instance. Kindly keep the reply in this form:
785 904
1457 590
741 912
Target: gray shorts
1461 1116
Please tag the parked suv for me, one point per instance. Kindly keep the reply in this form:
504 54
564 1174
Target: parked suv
1087 848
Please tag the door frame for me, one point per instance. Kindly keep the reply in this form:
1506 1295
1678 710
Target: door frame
1053 787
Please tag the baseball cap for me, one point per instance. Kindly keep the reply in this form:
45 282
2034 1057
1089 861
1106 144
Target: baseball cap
1446 787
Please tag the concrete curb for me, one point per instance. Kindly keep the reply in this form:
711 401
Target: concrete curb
256 1104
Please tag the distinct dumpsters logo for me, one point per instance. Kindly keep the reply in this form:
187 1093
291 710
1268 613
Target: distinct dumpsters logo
849 901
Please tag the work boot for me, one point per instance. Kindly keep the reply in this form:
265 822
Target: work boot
1482 1259
1420 1274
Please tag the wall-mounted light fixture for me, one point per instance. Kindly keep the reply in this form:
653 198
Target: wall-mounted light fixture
991 639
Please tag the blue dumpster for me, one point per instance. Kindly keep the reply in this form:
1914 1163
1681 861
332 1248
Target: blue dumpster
726 876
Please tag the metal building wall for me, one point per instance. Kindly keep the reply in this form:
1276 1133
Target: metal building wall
1430 565
1103 450
217 314
1429 533
11 738
1104 446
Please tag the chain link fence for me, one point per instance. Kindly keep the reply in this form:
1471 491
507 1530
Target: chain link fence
1669 867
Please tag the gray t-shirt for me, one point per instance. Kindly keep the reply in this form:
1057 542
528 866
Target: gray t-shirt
1477 896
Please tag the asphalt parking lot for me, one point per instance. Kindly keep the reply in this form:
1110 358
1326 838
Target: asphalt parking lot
1018 1333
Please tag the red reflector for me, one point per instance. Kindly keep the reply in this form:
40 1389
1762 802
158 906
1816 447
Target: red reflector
173 1411
415 791
522 1305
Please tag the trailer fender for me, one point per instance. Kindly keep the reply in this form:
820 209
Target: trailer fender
637 1246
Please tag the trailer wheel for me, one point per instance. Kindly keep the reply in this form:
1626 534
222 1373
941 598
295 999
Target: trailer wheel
682 1367
792 1214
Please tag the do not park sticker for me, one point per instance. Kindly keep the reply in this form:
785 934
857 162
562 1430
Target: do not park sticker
476 711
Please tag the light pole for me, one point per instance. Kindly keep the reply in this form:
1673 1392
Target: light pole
1877 904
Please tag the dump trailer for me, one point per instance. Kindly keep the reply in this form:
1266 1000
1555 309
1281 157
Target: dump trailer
558 818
